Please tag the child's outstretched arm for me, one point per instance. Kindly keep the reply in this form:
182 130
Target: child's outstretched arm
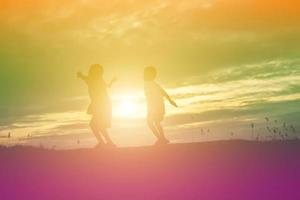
81 76
112 82
165 94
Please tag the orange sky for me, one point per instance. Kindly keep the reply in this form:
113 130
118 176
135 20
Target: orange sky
253 10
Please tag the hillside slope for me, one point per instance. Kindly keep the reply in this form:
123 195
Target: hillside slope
212 170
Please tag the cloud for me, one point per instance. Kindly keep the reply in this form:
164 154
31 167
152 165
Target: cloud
117 19
242 86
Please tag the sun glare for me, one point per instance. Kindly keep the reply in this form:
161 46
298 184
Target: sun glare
127 108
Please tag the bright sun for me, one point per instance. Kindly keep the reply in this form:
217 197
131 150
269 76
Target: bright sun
126 108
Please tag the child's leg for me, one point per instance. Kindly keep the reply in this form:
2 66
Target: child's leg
152 127
160 130
95 131
106 136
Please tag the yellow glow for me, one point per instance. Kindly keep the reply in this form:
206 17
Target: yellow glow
127 108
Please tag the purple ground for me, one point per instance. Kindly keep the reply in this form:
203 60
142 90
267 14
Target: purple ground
214 170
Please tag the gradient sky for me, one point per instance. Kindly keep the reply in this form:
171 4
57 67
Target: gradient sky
228 63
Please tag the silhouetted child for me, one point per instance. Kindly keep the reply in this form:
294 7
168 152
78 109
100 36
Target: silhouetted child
155 104
100 106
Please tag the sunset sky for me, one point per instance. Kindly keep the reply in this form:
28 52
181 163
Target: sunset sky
227 63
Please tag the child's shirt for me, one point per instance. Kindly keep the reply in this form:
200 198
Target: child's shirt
97 89
155 98
100 101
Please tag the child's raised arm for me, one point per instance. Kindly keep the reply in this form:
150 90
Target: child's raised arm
81 76
112 82
165 94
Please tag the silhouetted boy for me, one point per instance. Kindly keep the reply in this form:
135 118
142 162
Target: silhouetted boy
155 104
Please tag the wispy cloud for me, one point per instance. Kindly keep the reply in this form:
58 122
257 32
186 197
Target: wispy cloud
242 86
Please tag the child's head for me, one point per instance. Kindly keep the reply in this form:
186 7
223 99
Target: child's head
95 71
149 73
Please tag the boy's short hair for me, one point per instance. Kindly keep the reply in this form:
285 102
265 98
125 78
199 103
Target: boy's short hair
149 73
95 70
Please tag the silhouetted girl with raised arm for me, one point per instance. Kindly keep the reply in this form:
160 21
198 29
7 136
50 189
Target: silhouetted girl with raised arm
100 107
155 104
